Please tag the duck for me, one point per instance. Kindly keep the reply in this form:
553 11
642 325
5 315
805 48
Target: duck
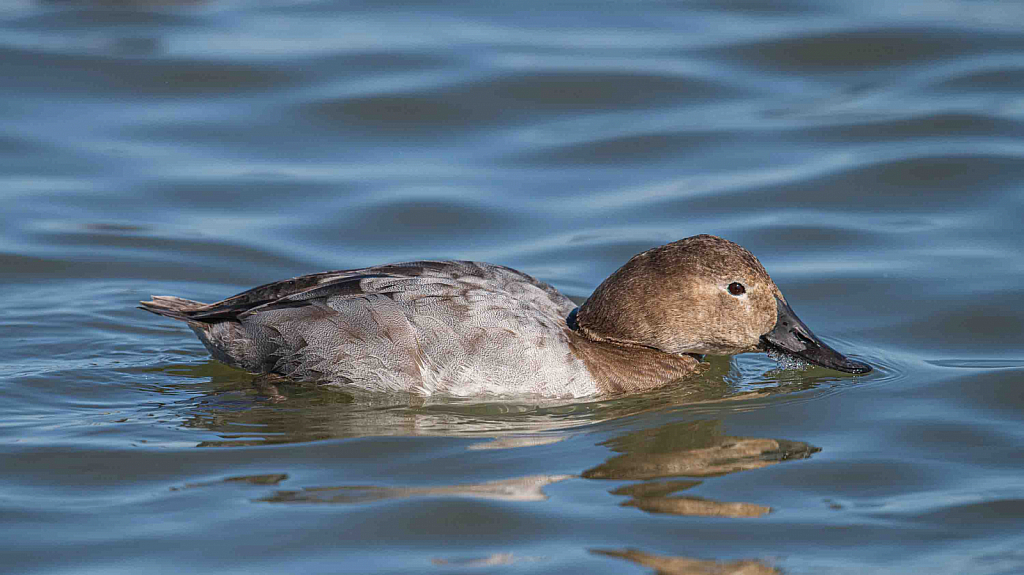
464 328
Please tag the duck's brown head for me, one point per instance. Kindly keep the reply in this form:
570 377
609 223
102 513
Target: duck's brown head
701 295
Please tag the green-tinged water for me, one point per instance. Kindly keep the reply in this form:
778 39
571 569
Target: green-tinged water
870 154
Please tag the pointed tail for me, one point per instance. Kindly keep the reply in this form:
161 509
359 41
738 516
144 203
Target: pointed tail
172 307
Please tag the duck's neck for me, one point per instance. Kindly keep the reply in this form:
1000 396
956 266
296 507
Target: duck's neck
624 366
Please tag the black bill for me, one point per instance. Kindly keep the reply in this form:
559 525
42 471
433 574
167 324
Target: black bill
790 336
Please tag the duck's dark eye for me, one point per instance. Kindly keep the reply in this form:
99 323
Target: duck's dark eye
737 289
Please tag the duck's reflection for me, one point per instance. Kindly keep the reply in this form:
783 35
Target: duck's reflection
689 449
528 488
692 449
657 457
664 461
655 470
668 565
655 498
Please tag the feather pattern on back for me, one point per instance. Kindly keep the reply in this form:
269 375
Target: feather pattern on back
454 327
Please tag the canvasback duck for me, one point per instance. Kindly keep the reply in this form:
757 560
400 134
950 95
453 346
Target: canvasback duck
469 328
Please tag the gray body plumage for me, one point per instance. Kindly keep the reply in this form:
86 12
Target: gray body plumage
451 327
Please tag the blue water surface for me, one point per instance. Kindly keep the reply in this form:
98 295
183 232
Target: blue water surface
871 154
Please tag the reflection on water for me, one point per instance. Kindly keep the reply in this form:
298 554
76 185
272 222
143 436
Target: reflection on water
516 442
657 457
284 412
654 498
266 479
666 565
689 449
490 560
517 489
692 449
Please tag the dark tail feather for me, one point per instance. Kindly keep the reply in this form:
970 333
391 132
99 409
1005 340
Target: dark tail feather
172 307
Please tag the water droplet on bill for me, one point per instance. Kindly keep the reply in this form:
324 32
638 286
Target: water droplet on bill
787 361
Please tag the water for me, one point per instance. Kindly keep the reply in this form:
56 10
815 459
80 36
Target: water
871 154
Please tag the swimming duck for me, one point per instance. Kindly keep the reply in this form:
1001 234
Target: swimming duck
469 328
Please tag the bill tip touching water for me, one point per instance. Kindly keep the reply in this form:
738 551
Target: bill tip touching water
470 328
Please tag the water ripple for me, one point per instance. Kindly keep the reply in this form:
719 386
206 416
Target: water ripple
868 153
